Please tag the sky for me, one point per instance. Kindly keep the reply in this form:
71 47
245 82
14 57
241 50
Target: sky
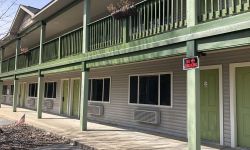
8 9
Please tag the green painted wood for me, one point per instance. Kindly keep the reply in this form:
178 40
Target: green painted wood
210 116
71 44
18 45
50 50
33 57
15 95
65 96
22 61
76 97
4 67
42 40
1 93
84 97
193 101
243 106
40 94
11 65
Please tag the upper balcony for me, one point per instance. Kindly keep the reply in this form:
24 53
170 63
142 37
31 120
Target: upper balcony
64 35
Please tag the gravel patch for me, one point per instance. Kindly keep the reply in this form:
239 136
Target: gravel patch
24 137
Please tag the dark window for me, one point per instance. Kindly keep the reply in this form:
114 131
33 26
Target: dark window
5 87
89 93
165 97
50 90
33 90
133 89
106 90
11 89
99 89
150 92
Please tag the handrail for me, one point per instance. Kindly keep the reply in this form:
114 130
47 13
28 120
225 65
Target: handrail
69 32
103 18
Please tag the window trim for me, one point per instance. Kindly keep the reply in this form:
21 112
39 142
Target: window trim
29 89
149 105
110 83
53 89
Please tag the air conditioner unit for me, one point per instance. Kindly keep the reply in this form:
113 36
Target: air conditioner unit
147 116
31 102
96 110
48 103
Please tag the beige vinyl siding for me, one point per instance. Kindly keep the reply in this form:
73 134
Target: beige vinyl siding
118 111
173 120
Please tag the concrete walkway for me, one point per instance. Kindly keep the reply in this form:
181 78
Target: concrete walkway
98 136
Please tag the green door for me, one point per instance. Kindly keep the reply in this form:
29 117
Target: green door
76 97
65 96
210 120
243 106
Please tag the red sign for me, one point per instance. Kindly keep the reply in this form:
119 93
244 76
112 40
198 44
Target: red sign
190 63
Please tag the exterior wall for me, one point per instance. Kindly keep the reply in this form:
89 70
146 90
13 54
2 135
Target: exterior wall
56 101
118 111
173 120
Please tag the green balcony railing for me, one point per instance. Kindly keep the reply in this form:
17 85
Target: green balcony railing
50 50
11 64
33 57
71 43
157 16
105 33
22 61
5 65
214 9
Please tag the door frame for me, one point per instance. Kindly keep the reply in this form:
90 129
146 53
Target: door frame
219 67
61 93
71 95
233 115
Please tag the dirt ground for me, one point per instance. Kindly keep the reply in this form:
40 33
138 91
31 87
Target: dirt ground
24 137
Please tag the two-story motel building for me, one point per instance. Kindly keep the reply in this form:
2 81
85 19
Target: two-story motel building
72 58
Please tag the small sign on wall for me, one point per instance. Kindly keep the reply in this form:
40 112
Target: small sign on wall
191 63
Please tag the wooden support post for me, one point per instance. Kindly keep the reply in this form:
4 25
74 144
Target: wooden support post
15 94
193 101
86 18
1 93
193 85
84 98
18 44
1 58
59 48
42 40
40 94
125 30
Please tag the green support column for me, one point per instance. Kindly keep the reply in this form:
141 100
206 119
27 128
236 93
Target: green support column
40 94
125 30
15 94
84 98
1 93
42 40
193 101
193 85
18 44
85 72
86 18
1 58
